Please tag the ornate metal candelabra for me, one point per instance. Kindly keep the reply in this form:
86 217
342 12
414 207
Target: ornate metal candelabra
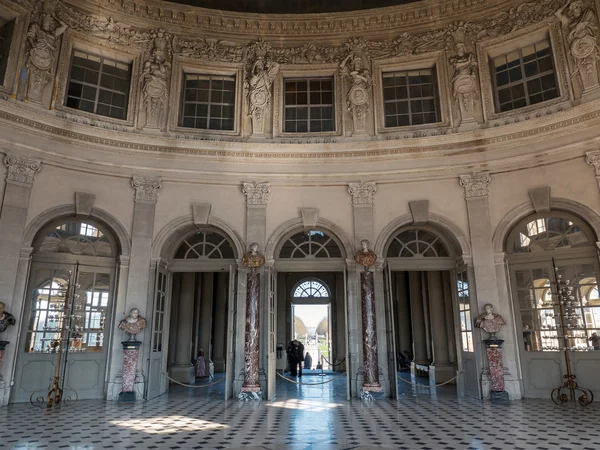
61 347
567 304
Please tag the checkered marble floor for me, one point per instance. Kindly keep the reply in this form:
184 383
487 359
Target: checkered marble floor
303 417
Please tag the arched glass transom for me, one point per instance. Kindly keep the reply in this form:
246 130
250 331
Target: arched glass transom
310 244
311 289
416 243
206 244
546 234
77 238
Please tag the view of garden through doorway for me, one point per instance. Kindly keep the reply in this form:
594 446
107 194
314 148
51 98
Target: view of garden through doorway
311 327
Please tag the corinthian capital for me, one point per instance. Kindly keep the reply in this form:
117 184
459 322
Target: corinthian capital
146 189
256 193
475 184
362 193
21 170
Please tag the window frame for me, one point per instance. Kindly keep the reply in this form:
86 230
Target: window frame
16 54
433 60
75 40
288 71
98 86
308 105
183 65
488 49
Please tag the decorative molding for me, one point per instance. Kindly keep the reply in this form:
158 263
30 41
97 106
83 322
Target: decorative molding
475 184
310 217
362 193
146 189
21 170
256 193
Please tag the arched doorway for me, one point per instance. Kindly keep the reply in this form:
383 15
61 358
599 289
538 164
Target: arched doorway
309 269
80 254
200 273
535 246
432 331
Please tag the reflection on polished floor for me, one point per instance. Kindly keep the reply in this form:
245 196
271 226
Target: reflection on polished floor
302 417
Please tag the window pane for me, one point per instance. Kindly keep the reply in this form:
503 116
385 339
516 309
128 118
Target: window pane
417 86
309 103
208 102
94 88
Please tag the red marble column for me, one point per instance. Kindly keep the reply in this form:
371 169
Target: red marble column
252 345
131 350
369 325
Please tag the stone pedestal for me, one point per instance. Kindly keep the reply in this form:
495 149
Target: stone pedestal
371 367
493 348
131 350
4 391
251 388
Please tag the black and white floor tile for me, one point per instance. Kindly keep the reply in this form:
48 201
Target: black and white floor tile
303 418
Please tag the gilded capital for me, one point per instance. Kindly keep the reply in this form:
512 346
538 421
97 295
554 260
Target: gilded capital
256 193
362 193
146 189
21 170
475 184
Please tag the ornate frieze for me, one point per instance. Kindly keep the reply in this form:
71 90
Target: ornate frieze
475 184
256 193
362 193
21 170
146 189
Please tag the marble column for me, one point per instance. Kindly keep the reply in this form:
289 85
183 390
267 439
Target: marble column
369 323
448 301
183 371
339 326
206 315
219 334
20 173
486 281
440 370
417 314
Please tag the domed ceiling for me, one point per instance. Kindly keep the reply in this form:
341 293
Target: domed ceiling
291 6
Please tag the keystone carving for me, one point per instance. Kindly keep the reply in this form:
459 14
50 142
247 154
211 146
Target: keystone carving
21 170
362 193
256 193
146 189
476 184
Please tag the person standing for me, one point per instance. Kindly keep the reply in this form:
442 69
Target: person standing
307 361
295 352
595 340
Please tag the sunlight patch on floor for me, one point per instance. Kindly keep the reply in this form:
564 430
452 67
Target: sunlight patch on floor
169 424
304 405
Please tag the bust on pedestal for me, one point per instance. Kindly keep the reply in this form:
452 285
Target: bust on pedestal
491 323
132 325
6 320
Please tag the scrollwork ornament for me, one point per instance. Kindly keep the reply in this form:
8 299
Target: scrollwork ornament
21 170
362 193
146 189
256 193
475 184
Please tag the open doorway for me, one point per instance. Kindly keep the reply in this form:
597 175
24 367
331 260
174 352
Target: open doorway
311 325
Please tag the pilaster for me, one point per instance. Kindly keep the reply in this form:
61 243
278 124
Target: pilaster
14 264
476 187
363 196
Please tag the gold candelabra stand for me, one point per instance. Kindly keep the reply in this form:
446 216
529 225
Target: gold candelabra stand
569 390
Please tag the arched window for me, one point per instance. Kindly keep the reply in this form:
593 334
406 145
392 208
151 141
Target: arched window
416 242
205 244
311 289
540 234
77 237
310 244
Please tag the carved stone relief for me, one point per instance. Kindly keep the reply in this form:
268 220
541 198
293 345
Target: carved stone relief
146 189
257 194
356 69
21 170
362 193
475 184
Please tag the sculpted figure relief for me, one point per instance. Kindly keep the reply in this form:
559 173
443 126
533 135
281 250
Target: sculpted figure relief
6 319
42 48
133 323
489 321
355 68
581 27
155 81
258 84
464 82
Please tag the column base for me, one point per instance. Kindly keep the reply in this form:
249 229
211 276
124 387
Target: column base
4 394
250 396
183 374
127 397
419 370
441 373
372 395
499 397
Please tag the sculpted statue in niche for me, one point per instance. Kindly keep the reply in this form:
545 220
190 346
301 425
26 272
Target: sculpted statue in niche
464 82
489 321
258 84
355 69
42 47
155 81
133 323
581 26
